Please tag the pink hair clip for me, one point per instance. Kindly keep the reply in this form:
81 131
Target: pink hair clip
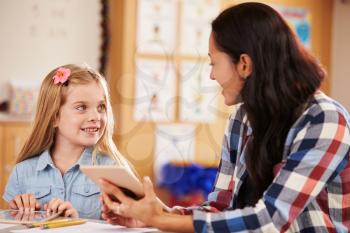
61 75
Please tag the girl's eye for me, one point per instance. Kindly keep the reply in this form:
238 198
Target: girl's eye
81 107
101 108
211 64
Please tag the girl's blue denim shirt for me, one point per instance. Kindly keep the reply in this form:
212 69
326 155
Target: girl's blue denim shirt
39 176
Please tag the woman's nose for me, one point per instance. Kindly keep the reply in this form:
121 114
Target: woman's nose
212 76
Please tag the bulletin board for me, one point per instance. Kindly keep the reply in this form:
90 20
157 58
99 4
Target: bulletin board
164 102
166 106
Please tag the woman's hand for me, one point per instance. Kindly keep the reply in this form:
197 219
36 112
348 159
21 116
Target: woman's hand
57 205
25 202
115 219
145 210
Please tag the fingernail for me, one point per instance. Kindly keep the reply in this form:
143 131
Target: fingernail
20 209
26 209
31 209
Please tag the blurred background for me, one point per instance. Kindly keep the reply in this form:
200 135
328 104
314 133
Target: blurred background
169 115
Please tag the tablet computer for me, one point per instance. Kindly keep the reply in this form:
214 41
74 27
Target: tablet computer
120 176
21 217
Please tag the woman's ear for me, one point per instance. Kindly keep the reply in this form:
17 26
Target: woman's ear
244 66
55 121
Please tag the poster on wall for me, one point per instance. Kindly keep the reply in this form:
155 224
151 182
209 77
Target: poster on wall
196 17
198 93
154 90
299 19
174 143
156 26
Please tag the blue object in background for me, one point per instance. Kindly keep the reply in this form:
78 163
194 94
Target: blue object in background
303 32
182 180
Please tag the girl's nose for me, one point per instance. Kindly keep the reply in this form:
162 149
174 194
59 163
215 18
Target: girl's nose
95 115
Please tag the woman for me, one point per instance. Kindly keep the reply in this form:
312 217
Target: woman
286 148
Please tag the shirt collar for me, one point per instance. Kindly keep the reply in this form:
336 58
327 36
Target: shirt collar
249 133
86 158
249 130
247 123
46 160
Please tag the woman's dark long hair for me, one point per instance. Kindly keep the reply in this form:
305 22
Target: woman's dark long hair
284 78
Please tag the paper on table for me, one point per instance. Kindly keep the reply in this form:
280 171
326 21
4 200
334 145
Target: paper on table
5 225
89 227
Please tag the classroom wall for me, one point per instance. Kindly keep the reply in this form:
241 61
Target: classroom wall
137 139
38 35
340 53
29 47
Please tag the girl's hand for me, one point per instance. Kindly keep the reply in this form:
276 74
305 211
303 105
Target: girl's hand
23 216
145 210
57 205
25 202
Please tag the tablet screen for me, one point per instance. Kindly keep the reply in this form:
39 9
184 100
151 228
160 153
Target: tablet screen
17 216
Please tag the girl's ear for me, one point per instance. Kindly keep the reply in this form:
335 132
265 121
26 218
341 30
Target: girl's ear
244 66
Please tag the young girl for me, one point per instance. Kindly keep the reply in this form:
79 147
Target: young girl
285 157
73 126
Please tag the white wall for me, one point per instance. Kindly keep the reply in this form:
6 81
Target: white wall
340 89
39 35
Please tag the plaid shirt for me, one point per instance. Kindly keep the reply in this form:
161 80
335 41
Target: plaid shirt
311 188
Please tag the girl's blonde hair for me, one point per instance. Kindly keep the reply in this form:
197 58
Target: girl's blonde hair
51 98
